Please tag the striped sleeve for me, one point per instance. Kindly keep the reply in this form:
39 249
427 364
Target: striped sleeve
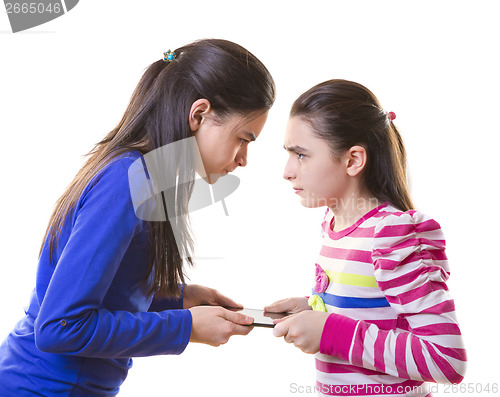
411 269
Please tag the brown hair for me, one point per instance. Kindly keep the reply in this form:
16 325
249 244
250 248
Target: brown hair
345 114
232 79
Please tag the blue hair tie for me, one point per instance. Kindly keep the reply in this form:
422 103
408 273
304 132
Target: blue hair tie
169 56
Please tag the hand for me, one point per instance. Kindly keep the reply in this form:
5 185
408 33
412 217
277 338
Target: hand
289 305
196 295
303 329
214 325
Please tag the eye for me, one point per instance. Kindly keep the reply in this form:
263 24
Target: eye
301 156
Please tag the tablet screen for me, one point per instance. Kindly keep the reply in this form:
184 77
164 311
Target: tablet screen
262 318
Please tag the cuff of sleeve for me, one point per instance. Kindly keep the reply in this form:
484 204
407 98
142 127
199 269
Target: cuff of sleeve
186 331
174 330
337 336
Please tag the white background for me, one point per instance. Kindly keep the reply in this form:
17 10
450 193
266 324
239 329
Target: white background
65 84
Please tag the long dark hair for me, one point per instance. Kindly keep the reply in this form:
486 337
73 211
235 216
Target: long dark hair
345 114
232 79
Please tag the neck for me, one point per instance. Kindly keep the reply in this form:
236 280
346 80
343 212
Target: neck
349 210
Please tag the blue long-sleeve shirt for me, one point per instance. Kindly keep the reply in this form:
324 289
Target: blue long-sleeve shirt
90 311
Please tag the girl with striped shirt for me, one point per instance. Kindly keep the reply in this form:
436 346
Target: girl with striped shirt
382 321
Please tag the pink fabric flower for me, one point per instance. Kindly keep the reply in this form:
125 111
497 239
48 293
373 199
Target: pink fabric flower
322 280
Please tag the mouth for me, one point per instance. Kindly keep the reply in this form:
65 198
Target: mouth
298 190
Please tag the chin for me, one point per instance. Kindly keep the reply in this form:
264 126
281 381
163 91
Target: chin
307 204
313 203
212 178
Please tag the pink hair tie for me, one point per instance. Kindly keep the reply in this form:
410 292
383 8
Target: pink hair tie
391 115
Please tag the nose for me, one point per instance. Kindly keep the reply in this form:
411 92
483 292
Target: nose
289 172
241 157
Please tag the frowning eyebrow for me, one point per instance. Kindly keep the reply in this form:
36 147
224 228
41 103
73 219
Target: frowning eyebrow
295 149
250 135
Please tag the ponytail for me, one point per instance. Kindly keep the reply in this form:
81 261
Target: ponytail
232 79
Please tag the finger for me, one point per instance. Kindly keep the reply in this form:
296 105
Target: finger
224 301
233 329
279 320
242 330
236 317
276 307
289 339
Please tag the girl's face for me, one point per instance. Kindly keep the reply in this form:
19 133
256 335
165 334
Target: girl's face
316 177
224 145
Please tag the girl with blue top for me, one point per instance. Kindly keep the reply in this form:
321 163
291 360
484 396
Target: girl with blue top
110 285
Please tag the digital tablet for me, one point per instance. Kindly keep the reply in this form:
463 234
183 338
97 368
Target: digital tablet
261 318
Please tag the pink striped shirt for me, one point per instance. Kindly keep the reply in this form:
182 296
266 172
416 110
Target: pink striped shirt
393 325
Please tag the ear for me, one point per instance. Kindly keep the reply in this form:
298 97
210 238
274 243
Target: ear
199 110
356 160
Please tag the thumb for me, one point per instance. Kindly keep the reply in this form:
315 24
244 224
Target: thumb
280 329
237 318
